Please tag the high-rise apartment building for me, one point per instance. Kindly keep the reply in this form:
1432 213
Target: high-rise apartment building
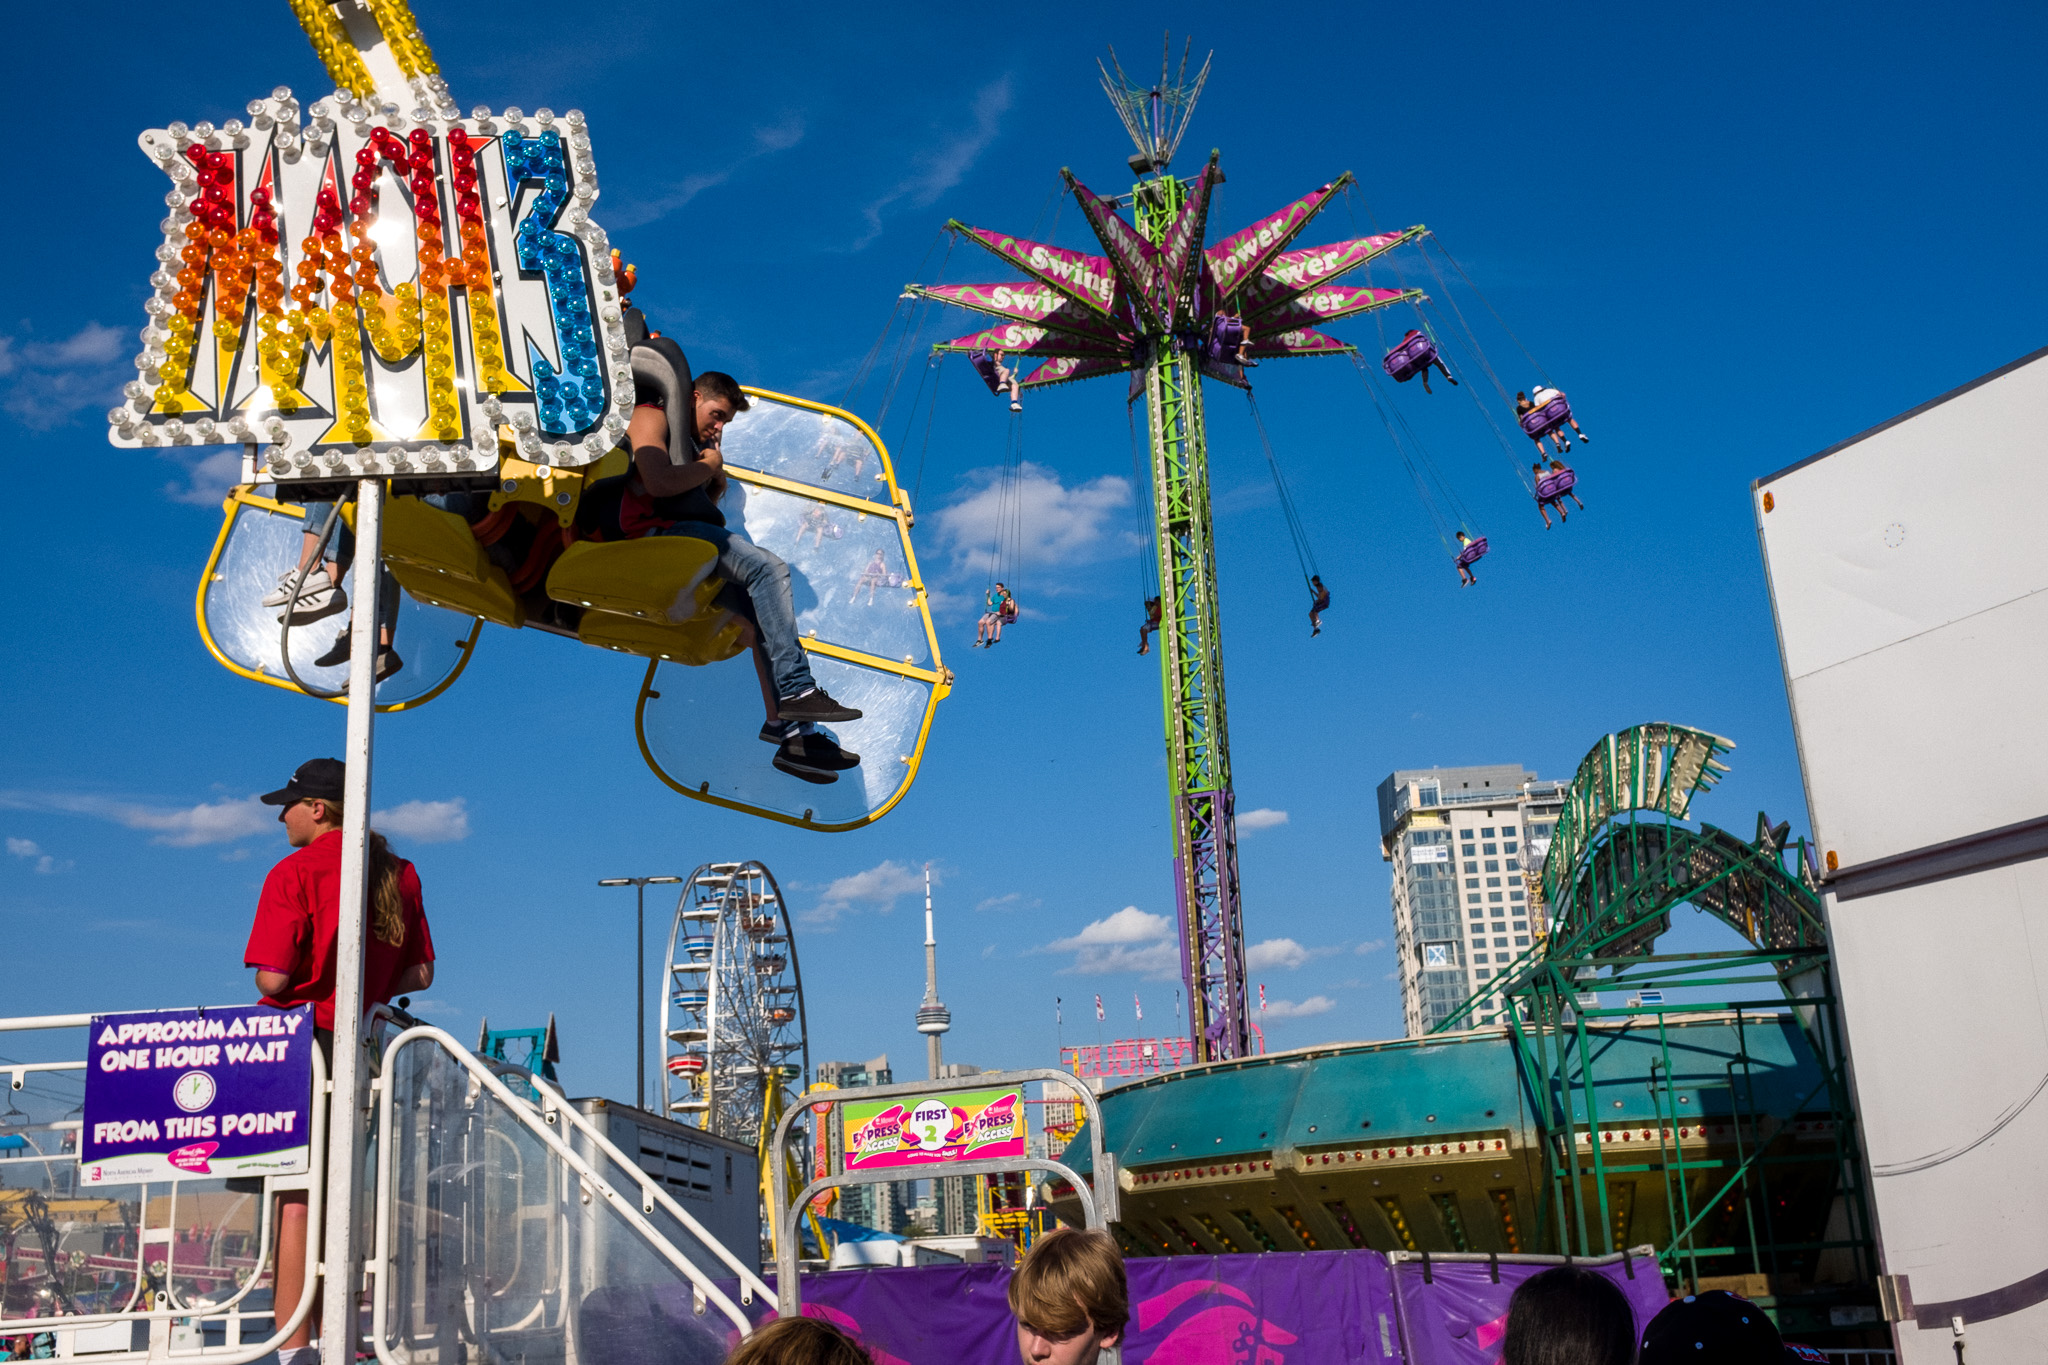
1467 845
884 1208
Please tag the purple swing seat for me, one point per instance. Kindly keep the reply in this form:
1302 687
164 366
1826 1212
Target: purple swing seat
1472 553
1410 358
1226 334
984 363
1551 487
1540 422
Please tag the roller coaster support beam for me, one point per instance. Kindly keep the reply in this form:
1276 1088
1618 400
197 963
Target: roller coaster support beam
1191 671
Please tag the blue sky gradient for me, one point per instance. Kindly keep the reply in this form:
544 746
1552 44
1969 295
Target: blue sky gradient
1735 236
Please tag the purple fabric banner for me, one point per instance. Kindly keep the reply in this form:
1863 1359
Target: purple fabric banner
1024 301
1136 260
1069 369
1237 260
1279 1308
1088 280
1458 1314
1295 341
1018 338
1327 304
1177 257
1296 272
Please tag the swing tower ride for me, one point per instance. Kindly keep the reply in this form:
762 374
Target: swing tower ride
1165 308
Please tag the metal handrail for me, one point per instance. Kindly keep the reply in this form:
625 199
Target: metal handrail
1099 1197
652 1192
528 1115
160 1318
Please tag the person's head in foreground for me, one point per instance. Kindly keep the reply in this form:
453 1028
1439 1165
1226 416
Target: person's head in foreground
1070 1298
1569 1316
1714 1328
800 1341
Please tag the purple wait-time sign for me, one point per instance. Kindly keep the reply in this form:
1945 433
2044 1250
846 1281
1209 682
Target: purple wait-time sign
184 1094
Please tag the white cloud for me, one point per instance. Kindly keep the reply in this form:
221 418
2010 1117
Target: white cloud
1278 1011
1042 522
1262 818
1283 953
940 168
206 477
1372 945
767 140
49 383
880 887
225 821
1131 940
1015 900
425 822
44 863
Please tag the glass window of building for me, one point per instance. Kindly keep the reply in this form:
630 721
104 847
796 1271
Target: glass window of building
1486 833
1471 867
1472 883
1493 881
1518 895
1513 866
1521 940
1473 897
1508 847
1493 864
1428 795
1493 895
1489 849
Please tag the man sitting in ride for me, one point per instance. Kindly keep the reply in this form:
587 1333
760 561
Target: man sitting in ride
677 479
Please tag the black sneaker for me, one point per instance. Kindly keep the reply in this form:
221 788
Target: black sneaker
822 751
388 663
815 705
774 731
792 759
337 653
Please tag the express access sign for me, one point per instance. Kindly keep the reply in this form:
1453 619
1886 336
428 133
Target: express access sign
195 1093
978 1125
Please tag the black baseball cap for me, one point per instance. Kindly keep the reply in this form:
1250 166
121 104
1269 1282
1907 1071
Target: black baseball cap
318 779
1713 1328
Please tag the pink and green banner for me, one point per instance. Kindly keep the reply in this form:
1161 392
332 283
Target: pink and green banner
1178 255
1327 304
1087 280
1069 369
1135 259
1021 338
1023 301
1296 272
1238 259
977 1125
1296 341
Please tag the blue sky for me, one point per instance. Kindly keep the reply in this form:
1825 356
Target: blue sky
1734 235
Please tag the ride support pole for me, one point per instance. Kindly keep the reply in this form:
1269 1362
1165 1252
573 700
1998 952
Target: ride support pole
349 1114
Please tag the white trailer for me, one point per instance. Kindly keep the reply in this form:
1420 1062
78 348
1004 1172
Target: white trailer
1908 571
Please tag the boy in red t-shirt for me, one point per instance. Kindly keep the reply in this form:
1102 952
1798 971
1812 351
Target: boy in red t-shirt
292 948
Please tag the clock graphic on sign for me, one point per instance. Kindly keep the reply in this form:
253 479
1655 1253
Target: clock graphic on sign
193 1092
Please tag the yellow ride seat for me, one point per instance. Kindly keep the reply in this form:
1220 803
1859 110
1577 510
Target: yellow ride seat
651 597
436 558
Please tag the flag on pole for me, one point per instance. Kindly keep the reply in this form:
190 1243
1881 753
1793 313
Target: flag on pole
1176 1004
1139 1005
1099 1016
1262 997
1058 1015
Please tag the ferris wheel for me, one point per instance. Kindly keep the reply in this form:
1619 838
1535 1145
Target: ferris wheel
733 1010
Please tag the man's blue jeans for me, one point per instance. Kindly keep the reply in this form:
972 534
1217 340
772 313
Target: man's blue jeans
765 580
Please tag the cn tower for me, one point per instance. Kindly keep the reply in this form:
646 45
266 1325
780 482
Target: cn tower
933 1018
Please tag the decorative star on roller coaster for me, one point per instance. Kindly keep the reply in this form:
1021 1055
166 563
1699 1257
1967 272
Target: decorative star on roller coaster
1086 316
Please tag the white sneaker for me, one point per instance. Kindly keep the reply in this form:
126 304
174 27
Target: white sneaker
316 582
1016 406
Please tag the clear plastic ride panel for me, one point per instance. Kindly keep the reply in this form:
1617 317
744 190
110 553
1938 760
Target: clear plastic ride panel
733 1010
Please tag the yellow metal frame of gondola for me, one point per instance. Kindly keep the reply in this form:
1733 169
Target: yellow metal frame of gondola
240 496
938 676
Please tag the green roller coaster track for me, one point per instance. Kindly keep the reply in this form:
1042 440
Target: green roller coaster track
1620 861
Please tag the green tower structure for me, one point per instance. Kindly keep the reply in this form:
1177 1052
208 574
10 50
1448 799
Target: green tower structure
1167 310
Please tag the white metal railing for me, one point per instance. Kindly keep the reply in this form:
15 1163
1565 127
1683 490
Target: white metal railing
177 1329
543 1122
1098 1193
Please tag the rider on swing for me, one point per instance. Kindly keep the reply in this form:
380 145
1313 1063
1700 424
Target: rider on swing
1318 606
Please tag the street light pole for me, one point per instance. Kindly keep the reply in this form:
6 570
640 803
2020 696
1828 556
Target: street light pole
640 885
